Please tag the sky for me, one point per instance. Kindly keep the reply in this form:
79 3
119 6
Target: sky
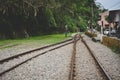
110 4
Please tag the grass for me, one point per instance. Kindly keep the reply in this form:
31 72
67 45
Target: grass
43 40
115 49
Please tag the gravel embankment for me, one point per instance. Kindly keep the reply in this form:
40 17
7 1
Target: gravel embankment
7 52
109 59
85 67
53 65
15 61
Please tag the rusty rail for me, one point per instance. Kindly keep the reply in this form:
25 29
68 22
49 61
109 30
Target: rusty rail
27 52
13 67
106 75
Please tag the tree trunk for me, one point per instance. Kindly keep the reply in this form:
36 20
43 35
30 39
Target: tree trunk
26 33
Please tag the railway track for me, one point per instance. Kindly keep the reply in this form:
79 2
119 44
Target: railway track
100 69
27 56
73 70
27 52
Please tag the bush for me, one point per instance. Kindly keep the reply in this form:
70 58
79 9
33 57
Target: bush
115 49
113 43
90 34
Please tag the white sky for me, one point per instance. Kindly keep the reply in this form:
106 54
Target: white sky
110 4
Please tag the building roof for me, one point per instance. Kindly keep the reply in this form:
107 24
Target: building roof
114 10
113 15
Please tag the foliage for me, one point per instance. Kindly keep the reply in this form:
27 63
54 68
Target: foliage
90 34
42 40
115 45
115 49
20 19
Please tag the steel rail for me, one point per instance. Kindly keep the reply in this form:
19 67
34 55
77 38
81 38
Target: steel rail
13 67
72 66
27 52
106 75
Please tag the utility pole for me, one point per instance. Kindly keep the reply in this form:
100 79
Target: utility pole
92 18
102 27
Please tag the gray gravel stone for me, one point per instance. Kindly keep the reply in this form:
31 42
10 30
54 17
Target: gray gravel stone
109 59
85 67
54 65
15 61
7 52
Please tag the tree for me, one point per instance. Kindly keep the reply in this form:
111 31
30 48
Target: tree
24 18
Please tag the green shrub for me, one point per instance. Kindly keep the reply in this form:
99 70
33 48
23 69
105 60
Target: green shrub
90 34
113 43
115 49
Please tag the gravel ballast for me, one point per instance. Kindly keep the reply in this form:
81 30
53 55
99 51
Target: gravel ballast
53 65
11 63
7 52
11 51
109 59
85 67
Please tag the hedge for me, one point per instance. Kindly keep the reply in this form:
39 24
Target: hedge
112 43
90 34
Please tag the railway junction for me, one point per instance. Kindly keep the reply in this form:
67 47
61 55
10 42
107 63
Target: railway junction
74 59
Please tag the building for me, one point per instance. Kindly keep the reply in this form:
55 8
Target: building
103 22
114 21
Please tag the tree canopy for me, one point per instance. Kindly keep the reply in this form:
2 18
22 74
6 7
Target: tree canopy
24 18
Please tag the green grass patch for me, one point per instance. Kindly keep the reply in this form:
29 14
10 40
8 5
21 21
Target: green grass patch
43 40
115 49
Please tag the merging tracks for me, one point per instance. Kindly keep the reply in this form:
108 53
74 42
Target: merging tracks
12 58
72 73
102 71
